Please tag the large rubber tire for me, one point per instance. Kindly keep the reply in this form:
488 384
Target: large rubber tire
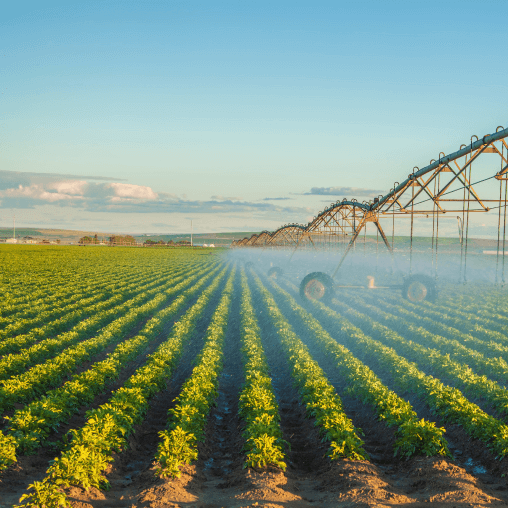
275 272
419 288
317 286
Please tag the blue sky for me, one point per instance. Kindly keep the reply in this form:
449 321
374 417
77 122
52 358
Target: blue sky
137 116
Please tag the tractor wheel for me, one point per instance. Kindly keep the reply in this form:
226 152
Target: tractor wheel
317 286
275 272
419 288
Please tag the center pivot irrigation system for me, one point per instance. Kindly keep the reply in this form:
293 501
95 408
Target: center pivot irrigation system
459 184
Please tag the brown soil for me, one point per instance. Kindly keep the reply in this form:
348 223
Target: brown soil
345 483
474 478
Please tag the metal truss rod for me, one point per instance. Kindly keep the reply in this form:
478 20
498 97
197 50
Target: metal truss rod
443 160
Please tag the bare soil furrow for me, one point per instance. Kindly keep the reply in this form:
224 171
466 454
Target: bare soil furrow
297 429
220 460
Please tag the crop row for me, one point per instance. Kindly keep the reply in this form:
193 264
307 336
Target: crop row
489 357
41 310
68 311
477 358
258 406
317 394
433 360
91 447
13 364
187 419
17 343
62 287
442 323
472 318
20 292
480 299
30 426
53 322
414 436
24 332
446 401
475 307
28 348
380 340
43 376
30 273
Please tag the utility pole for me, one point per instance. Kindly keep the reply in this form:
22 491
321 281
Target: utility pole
14 226
191 244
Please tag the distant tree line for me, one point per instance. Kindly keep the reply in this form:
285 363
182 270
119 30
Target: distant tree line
122 240
170 243
112 240
129 240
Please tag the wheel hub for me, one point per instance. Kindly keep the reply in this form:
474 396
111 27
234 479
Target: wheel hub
416 292
314 289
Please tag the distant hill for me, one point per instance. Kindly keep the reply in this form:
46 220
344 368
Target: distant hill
66 236
69 236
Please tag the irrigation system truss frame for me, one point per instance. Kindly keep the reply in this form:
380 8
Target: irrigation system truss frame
445 186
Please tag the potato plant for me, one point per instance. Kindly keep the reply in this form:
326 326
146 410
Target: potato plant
188 417
258 406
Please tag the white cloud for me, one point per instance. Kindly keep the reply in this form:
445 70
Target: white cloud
73 187
128 190
78 192
36 192
24 192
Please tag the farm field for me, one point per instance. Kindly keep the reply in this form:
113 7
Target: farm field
151 378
